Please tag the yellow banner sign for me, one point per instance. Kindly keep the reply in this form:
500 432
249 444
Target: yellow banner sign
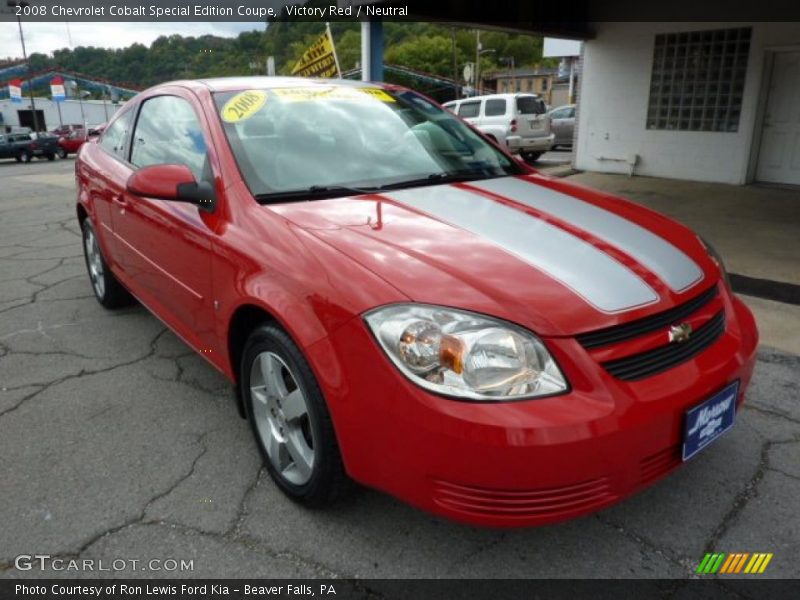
319 60
331 93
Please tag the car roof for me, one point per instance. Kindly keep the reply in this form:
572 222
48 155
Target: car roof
230 84
504 96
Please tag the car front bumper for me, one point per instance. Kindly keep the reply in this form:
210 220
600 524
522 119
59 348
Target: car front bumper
523 463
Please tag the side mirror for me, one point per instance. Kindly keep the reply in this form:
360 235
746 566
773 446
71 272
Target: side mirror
172 182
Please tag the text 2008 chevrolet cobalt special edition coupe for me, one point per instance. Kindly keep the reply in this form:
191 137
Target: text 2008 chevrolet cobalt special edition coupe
403 304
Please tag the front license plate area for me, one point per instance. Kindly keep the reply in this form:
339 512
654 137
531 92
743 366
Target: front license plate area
708 420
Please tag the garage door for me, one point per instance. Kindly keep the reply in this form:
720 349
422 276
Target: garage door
779 158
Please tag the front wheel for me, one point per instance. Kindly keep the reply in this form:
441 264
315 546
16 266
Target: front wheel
61 153
290 419
24 156
108 291
531 157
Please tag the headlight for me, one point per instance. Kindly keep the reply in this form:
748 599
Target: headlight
715 256
462 354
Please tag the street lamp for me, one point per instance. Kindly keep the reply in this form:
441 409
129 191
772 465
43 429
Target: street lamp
23 4
81 95
478 53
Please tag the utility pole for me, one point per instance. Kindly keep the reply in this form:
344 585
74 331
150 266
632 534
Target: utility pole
477 62
455 66
23 3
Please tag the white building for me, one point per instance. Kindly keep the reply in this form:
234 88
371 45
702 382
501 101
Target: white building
700 101
72 112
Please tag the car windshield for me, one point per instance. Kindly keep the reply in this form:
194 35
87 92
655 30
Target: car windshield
327 139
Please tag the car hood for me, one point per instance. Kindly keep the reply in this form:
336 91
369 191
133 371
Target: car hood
554 257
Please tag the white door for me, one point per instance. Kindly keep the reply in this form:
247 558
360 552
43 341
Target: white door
779 157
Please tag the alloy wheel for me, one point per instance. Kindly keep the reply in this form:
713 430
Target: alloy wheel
282 420
94 261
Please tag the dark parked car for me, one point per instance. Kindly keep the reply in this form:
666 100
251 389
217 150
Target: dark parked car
24 146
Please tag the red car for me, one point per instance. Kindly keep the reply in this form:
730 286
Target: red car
71 142
401 303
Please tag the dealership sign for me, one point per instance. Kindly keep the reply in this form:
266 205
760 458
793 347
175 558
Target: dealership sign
57 89
15 90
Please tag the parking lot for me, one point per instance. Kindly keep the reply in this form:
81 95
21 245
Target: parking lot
117 442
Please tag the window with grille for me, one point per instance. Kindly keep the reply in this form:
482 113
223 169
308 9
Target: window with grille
698 78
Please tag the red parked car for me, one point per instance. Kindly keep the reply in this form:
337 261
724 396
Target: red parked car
402 303
71 142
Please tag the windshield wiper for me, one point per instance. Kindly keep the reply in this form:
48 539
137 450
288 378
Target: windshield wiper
435 178
332 191
314 192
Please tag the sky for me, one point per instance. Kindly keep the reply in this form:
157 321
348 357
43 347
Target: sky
46 37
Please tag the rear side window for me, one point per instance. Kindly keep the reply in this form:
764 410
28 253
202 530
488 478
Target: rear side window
495 107
114 136
469 109
168 132
528 105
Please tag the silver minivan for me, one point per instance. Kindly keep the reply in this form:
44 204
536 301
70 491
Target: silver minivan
517 121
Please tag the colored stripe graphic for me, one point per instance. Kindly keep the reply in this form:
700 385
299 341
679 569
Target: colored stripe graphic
703 563
765 563
727 564
740 564
718 563
735 562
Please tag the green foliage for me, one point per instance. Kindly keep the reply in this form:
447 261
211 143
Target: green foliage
426 47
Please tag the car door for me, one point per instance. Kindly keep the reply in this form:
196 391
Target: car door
102 178
562 123
166 244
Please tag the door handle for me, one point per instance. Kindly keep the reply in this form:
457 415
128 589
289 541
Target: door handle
119 199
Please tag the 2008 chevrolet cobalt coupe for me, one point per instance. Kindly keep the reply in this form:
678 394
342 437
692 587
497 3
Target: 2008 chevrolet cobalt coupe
402 303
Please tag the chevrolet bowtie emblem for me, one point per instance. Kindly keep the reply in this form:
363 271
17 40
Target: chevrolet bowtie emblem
680 333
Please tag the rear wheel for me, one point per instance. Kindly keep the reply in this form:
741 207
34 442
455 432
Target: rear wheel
51 156
108 291
290 419
25 156
61 153
531 157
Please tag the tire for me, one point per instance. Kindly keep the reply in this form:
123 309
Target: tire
25 156
108 291
290 419
51 156
18 159
531 157
61 153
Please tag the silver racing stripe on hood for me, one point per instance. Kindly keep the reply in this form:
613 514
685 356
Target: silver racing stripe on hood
660 257
598 278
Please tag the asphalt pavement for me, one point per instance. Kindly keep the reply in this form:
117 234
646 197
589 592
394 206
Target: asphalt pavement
118 443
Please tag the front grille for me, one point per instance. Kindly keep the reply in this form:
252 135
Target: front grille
543 502
620 333
645 364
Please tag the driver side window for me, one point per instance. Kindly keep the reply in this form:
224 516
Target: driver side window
169 132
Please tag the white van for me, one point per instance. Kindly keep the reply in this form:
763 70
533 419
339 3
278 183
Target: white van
518 121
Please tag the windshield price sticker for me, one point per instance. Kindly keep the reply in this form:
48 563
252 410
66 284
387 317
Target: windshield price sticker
243 106
333 93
